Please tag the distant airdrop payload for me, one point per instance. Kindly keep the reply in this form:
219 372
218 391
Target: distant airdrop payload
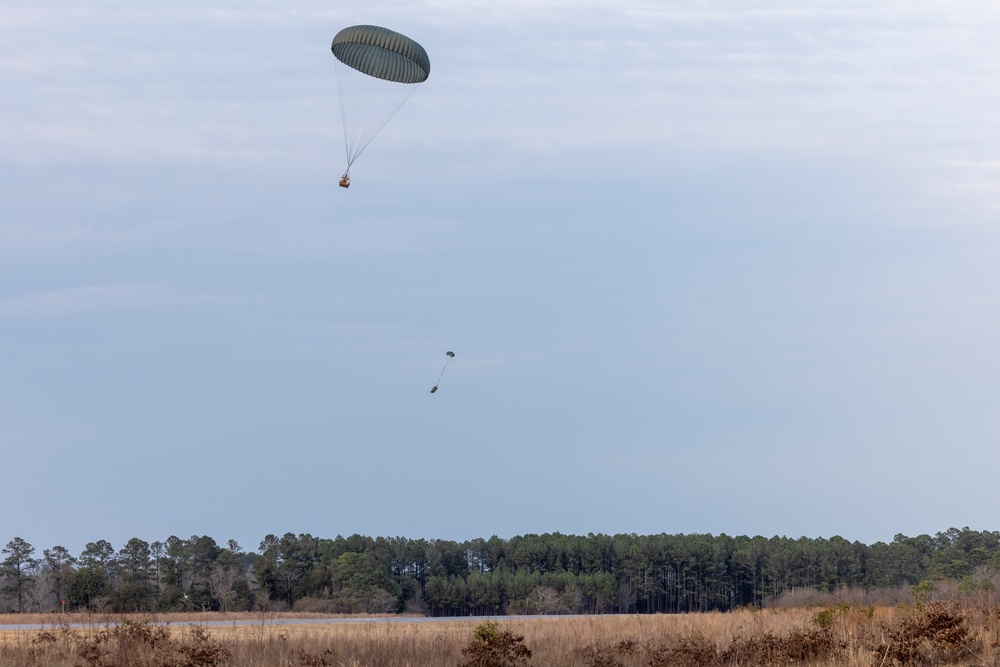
451 355
377 71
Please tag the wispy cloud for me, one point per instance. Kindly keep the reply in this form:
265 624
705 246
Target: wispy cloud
104 299
217 83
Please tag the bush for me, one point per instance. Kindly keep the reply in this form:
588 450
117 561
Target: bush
607 655
825 618
492 647
934 634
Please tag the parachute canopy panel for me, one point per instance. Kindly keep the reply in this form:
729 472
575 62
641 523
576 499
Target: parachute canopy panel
382 53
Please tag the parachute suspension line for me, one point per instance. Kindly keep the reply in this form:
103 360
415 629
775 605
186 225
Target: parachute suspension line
451 355
443 370
341 83
367 104
378 111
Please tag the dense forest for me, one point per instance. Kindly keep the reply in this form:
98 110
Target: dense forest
529 574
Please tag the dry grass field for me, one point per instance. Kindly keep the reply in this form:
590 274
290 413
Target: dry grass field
934 634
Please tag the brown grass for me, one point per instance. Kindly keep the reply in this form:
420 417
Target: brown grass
936 634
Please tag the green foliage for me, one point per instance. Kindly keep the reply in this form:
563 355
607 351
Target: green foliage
363 584
825 618
16 568
973 584
492 647
921 591
530 574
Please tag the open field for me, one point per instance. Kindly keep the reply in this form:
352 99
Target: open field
935 634
172 617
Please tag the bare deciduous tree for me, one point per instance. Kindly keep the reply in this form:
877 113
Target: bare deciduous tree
38 592
220 584
544 600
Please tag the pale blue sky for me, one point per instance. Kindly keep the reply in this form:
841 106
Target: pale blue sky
706 267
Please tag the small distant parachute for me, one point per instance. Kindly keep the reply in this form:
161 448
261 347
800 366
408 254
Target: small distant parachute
451 355
377 71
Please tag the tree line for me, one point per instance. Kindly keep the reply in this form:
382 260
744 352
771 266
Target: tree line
530 574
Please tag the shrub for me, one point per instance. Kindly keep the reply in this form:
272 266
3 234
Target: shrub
607 655
825 618
204 651
694 650
492 647
934 634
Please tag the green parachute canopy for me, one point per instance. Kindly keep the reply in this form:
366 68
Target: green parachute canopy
377 71
382 53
